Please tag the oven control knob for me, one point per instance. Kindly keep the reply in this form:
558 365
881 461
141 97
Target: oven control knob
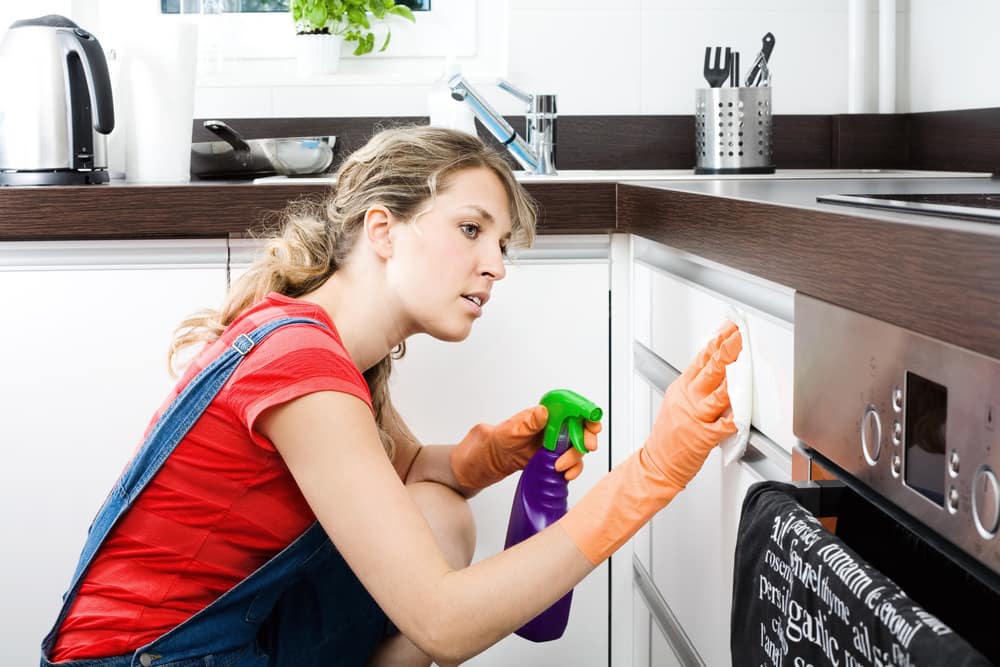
897 432
986 502
952 499
953 463
897 465
871 435
897 399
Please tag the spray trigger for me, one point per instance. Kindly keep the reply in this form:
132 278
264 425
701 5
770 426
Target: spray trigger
567 410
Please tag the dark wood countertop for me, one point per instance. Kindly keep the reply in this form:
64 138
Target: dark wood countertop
219 209
935 277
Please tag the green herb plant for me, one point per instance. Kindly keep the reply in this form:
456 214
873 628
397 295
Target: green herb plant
351 19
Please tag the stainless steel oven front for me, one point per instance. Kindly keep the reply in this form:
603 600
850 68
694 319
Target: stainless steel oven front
911 418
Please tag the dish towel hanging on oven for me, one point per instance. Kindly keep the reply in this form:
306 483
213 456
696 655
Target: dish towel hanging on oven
803 597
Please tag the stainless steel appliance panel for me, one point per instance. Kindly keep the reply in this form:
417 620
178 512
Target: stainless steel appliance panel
57 107
910 417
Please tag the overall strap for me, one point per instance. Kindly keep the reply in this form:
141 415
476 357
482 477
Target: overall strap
173 424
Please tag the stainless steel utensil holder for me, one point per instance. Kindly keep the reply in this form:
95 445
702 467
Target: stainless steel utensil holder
733 131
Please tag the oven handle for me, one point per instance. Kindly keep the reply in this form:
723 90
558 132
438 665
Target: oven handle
922 532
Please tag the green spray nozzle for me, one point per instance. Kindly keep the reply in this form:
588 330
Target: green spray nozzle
567 410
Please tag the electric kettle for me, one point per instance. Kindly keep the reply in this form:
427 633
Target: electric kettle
56 108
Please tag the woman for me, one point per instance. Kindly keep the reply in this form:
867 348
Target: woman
280 512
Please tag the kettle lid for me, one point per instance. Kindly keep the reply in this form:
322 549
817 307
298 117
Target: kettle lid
50 21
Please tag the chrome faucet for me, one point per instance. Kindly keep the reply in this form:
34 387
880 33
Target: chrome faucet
537 155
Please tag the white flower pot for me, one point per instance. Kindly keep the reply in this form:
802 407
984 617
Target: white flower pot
317 54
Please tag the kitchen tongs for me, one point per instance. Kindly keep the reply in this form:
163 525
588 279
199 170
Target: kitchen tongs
759 74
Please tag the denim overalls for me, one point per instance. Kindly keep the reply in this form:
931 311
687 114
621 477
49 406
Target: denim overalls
303 607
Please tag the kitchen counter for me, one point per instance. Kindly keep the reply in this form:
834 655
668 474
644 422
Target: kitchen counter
216 209
803 191
937 276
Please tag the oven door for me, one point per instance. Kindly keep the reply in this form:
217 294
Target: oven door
906 424
870 590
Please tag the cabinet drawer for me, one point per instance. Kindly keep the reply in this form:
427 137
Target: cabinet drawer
681 316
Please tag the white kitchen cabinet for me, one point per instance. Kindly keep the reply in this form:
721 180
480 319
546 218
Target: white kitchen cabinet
661 652
641 629
684 557
84 332
545 327
645 402
684 314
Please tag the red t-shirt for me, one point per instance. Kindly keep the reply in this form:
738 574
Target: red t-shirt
222 504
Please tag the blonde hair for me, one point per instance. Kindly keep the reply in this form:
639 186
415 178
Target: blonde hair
402 169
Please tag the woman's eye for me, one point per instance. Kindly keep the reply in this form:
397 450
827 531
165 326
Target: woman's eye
470 229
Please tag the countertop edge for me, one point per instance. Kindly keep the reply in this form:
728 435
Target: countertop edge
902 273
907 275
219 210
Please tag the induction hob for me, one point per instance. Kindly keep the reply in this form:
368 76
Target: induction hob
983 207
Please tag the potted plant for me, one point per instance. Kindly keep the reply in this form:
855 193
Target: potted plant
321 26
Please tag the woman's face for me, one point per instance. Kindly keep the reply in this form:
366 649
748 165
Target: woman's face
444 264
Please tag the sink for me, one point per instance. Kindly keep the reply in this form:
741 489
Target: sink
615 175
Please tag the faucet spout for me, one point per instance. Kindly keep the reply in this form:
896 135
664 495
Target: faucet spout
535 155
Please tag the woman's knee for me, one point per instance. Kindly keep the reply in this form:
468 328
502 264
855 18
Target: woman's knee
450 518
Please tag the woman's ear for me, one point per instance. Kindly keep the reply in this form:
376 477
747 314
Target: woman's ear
378 222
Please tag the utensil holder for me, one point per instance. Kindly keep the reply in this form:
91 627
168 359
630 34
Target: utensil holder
733 131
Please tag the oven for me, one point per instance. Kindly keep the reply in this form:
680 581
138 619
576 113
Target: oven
900 451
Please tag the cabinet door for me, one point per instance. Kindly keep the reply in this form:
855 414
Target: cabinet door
677 305
83 343
661 653
685 308
545 327
644 405
687 563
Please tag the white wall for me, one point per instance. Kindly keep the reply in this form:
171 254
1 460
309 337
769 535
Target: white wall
628 57
949 55
639 57
636 57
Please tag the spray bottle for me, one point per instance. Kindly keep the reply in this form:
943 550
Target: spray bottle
542 493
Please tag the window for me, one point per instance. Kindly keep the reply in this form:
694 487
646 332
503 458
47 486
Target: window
442 27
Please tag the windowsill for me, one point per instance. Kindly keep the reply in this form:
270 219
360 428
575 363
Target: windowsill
290 78
282 72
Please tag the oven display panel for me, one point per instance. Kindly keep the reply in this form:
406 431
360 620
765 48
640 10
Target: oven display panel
926 419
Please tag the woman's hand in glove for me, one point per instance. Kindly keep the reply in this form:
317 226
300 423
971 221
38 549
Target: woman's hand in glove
488 453
694 417
695 414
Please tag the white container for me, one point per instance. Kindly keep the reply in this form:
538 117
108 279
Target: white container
317 55
443 109
116 140
158 72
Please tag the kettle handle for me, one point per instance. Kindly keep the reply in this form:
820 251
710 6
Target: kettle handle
95 69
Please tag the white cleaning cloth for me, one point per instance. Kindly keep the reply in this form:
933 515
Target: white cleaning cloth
739 383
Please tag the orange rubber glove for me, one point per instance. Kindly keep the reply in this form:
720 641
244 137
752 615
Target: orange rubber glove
488 453
694 417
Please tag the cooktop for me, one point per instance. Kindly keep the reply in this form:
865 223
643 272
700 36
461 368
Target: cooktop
984 207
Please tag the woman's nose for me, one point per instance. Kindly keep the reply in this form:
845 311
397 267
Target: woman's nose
493 264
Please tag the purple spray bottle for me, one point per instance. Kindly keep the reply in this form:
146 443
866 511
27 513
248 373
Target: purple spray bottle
542 492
